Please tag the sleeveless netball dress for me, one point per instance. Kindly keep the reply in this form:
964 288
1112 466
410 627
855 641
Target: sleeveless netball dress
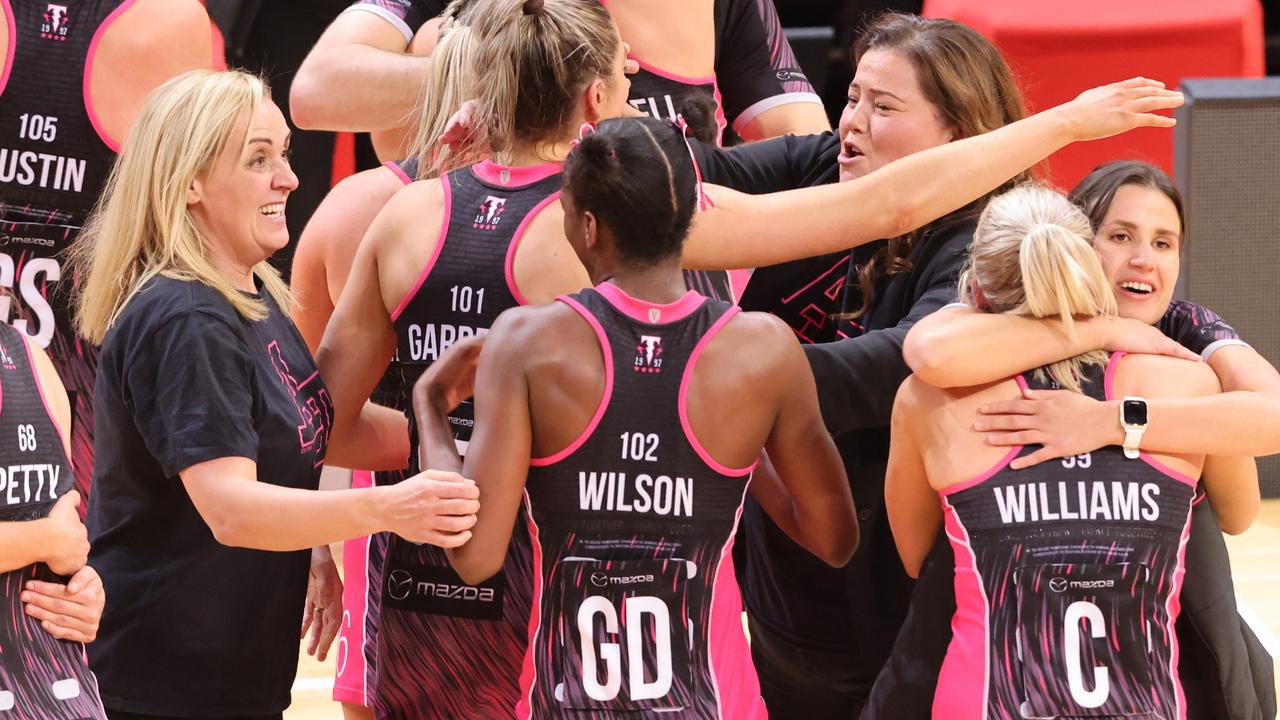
1067 582
637 611
54 160
447 649
41 677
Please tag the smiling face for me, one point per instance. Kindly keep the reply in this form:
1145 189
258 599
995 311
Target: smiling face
238 201
1138 243
888 116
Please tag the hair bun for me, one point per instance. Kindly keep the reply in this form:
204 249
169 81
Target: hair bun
533 7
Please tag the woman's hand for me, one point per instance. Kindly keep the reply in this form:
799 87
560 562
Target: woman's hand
1119 107
1134 336
432 507
323 610
66 538
1063 422
71 611
450 379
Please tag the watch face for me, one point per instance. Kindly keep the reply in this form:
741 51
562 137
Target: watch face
1135 412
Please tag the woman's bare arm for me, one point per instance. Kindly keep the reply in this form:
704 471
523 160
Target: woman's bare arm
915 515
748 231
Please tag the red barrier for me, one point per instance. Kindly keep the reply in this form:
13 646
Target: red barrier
1058 49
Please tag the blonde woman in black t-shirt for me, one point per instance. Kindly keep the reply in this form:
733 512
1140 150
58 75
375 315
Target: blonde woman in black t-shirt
212 422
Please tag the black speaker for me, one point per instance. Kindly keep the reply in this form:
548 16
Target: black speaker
1227 165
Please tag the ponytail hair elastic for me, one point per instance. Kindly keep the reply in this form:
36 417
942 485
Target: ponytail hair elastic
704 201
532 7
585 129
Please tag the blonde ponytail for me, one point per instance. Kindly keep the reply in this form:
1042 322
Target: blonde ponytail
533 60
1032 256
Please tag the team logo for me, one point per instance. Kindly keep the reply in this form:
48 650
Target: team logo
648 354
56 24
791 74
1058 584
490 213
6 360
599 579
399 584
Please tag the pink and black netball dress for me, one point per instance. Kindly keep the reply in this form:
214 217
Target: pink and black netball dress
41 677
447 649
1067 582
637 610
54 160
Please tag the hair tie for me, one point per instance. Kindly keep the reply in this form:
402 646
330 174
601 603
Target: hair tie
585 129
532 7
704 202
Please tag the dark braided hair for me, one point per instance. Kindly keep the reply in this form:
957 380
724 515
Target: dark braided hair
636 176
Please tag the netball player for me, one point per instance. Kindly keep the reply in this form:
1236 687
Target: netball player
732 51
1068 574
631 514
212 421
43 673
320 266
439 263
1137 216
75 75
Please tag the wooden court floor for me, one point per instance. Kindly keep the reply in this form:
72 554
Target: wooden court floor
1255 558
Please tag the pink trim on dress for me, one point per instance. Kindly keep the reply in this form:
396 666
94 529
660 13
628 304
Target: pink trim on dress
644 311
721 121
607 351
966 484
88 70
13 43
684 396
1112 364
957 695
491 172
726 639
673 76
1004 462
35 375
349 679
399 171
510 264
1172 608
435 255
1167 470
529 669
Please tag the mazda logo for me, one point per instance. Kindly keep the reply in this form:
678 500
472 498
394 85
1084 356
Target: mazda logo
399 584
599 579
1058 584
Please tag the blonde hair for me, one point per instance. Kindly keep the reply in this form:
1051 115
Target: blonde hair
537 56
1032 255
449 86
141 227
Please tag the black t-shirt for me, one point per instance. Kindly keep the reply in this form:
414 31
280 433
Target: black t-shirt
194 628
